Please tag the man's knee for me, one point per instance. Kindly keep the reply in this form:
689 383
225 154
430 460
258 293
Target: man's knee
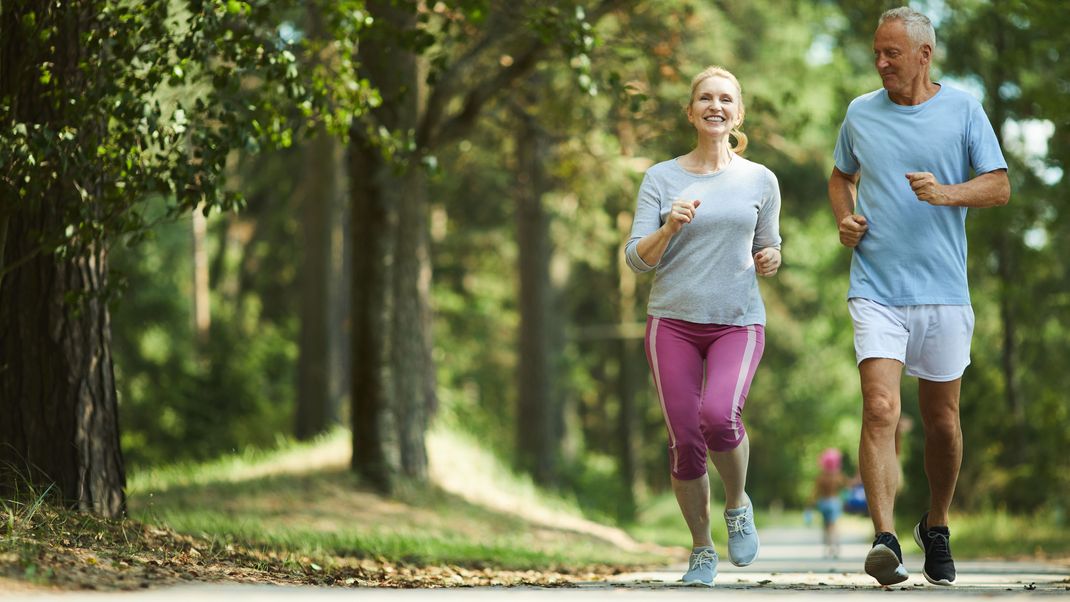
880 408
942 424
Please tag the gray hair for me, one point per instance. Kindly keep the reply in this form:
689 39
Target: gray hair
919 27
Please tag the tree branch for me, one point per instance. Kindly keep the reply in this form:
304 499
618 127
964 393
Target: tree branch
434 131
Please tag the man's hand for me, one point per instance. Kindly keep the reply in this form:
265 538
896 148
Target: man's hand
852 229
767 261
927 189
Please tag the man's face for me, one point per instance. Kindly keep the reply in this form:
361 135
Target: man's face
898 62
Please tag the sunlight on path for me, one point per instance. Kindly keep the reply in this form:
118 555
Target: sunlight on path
481 483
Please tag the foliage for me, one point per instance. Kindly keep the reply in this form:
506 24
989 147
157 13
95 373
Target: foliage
180 399
197 82
173 89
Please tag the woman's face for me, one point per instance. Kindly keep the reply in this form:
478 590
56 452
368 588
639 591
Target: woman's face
715 108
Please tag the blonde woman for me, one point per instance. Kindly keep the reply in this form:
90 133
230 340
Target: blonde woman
707 223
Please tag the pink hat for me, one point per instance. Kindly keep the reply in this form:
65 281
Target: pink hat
831 460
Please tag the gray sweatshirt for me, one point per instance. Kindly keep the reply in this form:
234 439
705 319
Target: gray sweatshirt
707 273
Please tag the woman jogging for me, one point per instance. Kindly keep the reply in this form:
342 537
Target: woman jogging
707 222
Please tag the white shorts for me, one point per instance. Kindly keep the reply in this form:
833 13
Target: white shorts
932 341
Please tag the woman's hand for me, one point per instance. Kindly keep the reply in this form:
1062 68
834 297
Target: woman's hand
767 261
682 212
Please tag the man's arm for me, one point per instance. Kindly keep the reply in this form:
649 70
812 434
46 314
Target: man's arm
843 190
991 189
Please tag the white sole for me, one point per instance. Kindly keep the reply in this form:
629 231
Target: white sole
917 540
883 565
696 583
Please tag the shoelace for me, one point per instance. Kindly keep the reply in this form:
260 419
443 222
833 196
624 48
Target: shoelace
704 559
736 524
938 543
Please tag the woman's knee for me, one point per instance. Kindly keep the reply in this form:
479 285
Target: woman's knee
688 460
724 435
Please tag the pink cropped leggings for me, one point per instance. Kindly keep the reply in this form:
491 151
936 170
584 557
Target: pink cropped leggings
702 373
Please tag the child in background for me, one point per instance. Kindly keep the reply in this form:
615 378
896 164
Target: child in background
827 487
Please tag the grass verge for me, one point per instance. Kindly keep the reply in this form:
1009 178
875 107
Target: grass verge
1043 535
297 515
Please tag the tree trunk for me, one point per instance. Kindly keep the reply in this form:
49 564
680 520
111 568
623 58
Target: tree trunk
338 295
393 391
58 401
538 409
323 354
57 387
393 376
374 225
313 359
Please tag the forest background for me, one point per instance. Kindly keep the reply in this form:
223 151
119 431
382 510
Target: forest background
416 221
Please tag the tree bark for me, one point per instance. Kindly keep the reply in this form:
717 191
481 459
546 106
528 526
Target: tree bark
58 401
57 386
393 378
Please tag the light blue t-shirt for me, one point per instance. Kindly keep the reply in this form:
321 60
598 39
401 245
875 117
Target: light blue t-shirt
913 253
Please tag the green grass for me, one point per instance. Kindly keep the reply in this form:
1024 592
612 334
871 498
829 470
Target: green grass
399 546
327 514
999 534
229 468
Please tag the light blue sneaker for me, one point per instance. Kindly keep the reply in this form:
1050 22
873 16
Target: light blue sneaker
701 567
742 535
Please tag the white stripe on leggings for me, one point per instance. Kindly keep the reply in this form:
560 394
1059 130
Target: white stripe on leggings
744 369
661 395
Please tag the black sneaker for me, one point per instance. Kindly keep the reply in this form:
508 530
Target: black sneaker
936 542
885 560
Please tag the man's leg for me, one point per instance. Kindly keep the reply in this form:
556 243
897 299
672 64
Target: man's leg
877 462
939 403
879 465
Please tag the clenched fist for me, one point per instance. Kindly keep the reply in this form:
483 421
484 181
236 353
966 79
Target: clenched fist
682 212
852 228
927 189
767 261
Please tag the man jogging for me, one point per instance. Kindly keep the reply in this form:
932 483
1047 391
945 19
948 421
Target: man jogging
910 159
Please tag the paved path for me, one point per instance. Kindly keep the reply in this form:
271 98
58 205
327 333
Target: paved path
790 560
789 567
